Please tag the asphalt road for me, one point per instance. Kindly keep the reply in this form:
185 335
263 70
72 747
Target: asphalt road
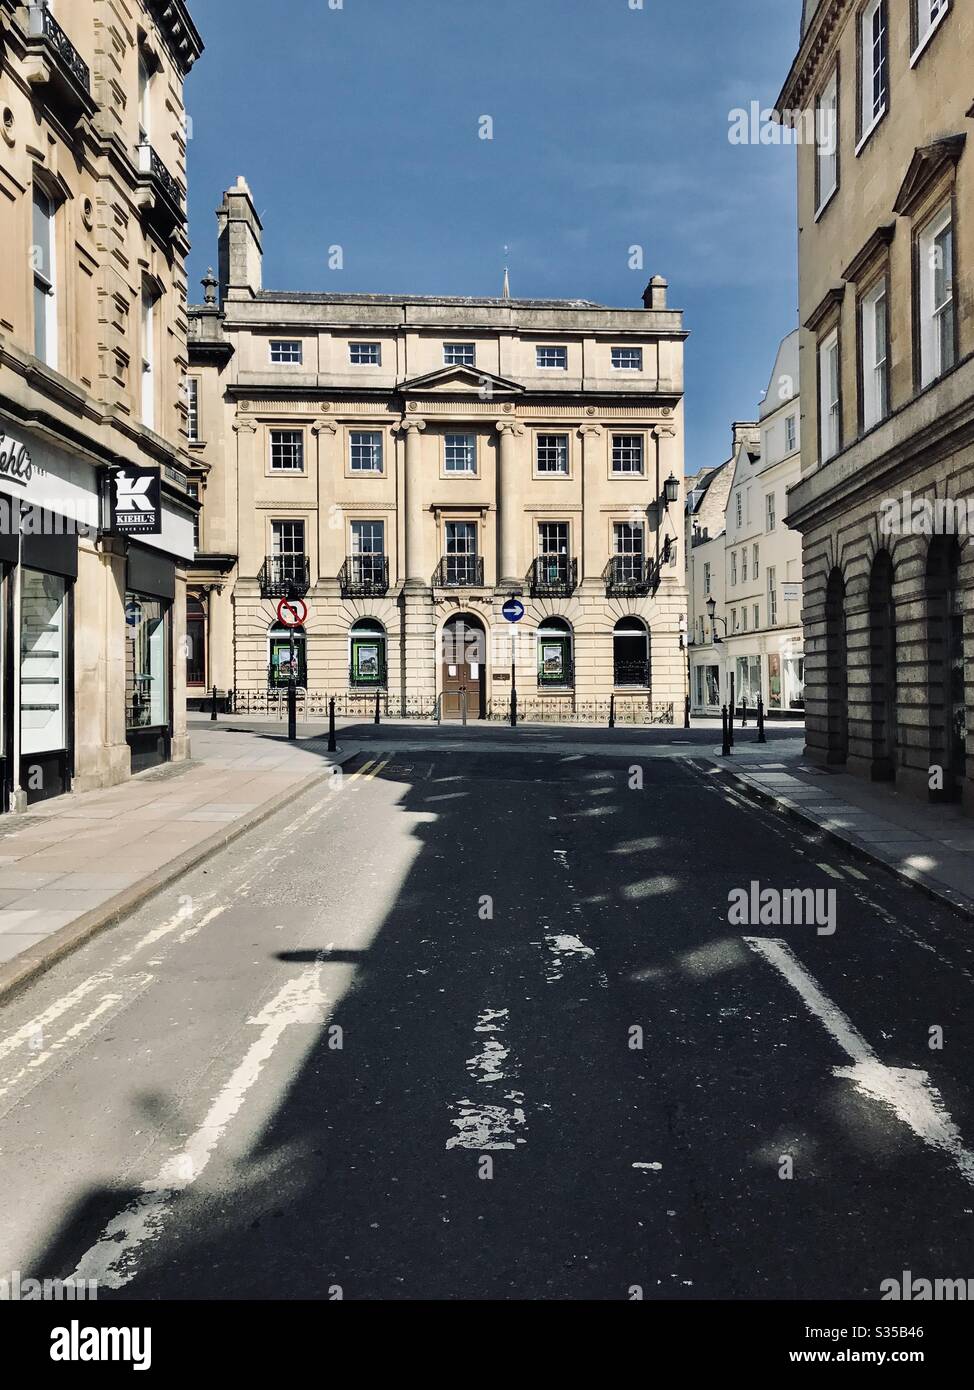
475 1024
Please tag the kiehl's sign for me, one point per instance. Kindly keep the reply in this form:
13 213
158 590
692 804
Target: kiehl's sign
15 462
137 501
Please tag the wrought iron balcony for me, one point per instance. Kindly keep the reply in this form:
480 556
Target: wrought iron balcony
553 576
285 576
460 572
631 673
629 576
167 203
363 576
68 75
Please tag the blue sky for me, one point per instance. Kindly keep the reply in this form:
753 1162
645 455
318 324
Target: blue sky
359 127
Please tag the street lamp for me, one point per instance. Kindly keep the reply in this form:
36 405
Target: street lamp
712 614
671 491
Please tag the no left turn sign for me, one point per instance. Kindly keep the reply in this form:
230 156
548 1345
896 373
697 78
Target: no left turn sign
292 612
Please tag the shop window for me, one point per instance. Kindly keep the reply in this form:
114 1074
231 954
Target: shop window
367 655
630 653
146 662
287 657
555 666
43 663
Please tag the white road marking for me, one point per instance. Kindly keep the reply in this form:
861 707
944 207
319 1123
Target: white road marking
827 868
483 1124
36 1026
113 1259
656 1167
908 1092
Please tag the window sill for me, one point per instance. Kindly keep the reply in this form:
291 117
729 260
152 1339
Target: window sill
823 207
925 42
870 131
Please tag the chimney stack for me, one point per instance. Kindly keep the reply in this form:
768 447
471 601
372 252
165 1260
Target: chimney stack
241 248
654 295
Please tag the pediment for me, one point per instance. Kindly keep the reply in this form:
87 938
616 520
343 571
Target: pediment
461 381
927 164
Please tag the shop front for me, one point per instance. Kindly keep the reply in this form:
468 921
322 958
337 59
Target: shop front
150 592
48 500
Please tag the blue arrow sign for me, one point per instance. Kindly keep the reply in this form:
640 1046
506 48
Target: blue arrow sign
513 610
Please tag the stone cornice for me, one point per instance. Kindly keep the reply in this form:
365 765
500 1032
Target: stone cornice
177 28
927 429
827 20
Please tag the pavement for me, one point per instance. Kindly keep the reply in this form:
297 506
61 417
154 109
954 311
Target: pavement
75 864
470 1023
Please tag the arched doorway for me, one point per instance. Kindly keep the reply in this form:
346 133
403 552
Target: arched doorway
463 656
837 673
556 666
195 643
882 667
945 667
279 663
631 653
367 661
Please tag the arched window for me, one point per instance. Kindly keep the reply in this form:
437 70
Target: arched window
195 641
367 654
631 653
280 665
945 665
882 667
837 669
556 668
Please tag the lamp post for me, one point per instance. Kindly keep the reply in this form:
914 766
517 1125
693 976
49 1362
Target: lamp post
716 640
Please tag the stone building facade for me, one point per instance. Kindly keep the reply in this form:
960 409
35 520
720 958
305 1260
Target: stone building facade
92 363
404 465
746 563
886 212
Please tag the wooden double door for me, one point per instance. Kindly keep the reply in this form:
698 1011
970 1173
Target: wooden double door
464 655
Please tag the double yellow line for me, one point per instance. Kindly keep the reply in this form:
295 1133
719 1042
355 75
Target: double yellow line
369 769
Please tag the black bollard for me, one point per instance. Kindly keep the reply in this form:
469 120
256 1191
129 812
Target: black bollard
743 712
686 713
213 707
726 723
292 710
513 707
332 744
612 712
761 737
376 720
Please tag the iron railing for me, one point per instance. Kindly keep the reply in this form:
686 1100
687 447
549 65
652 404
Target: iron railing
636 709
629 576
160 177
553 576
631 673
363 576
43 25
460 572
285 576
